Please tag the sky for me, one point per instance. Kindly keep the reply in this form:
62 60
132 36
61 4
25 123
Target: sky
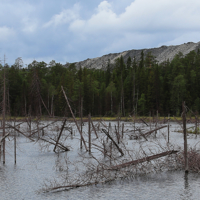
72 31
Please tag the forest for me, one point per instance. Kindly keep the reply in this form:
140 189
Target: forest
121 89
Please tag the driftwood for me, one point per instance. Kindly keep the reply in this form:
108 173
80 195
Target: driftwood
108 135
149 158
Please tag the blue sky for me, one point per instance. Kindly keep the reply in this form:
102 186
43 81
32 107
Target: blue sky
71 31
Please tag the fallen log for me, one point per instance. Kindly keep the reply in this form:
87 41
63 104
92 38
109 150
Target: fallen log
54 142
4 137
41 128
143 135
117 167
149 132
149 158
67 187
21 132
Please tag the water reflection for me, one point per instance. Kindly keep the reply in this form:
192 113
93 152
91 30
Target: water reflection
187 194
21 181
186 181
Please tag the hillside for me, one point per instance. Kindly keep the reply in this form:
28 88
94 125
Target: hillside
161 54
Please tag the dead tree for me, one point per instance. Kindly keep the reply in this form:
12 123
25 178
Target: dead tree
59 135
35 92
74 119
149 158
108 135
185 136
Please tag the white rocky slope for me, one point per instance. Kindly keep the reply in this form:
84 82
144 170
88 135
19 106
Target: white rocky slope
161 54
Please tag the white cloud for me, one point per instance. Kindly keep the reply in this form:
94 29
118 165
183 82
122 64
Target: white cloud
183 38
104 6
75 31
29 25
6 33
64 17
142 24
103 19
142 15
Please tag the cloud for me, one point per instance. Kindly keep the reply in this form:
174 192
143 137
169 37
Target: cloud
75 30
104 18
142 24
6 33
29 25
66 16
142 15
182 38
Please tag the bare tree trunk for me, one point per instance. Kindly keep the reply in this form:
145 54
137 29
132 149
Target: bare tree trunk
44 106
123 101
8 101
156 122
74 118
168 127
94 129
38 131
25 105
119 149
81 144
52 106
89 133
111 104
122 130
48 100
59 135
4 111
185 137
15 146
136 102
150 120
196 122
133 91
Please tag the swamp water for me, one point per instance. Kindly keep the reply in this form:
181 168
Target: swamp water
34 167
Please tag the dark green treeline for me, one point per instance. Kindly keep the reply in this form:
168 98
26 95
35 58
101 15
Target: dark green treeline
121 89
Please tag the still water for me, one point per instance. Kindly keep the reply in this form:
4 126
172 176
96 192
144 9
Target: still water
34 167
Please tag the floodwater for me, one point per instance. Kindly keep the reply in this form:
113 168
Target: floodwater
25 179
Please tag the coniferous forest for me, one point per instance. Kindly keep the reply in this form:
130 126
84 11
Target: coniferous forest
123 88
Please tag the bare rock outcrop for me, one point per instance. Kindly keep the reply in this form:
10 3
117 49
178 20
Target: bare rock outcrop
161 54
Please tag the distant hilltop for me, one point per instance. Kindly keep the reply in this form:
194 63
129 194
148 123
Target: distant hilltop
161 54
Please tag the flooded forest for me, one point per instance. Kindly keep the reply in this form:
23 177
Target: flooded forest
127 131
